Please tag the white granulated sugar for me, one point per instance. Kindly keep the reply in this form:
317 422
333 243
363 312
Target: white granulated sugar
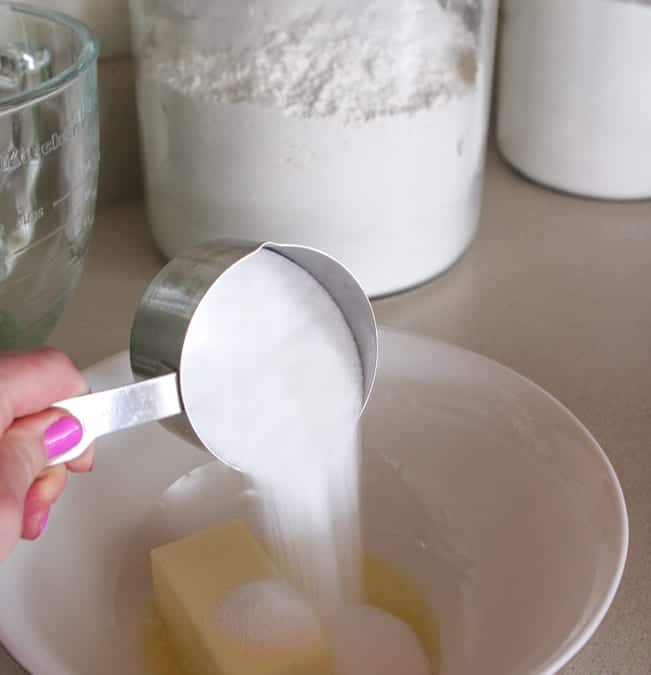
269 616
360 133
369 641
286 407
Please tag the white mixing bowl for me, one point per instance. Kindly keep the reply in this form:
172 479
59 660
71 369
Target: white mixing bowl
479 486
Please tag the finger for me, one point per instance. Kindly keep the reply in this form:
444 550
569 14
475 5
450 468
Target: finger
24 451
47 488
35 523
43 493
32 381
85 463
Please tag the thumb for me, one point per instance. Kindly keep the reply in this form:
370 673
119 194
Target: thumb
24 451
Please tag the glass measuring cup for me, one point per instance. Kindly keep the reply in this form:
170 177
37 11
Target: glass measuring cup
49 160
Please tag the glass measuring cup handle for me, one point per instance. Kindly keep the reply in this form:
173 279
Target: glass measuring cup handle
103 412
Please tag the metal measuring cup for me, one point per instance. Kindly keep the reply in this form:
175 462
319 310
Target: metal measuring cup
180 303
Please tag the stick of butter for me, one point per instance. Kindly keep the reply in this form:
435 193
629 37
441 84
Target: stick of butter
228 611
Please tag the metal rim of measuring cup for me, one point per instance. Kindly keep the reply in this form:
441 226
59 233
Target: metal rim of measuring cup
86 58
169 304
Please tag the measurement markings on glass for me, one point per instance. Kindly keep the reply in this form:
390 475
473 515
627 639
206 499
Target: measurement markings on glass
69 194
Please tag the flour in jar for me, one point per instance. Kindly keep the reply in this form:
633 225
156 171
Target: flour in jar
320 66
360 132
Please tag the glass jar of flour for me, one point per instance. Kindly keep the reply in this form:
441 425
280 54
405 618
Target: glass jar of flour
358 128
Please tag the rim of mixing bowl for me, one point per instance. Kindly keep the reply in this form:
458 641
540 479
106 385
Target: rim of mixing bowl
87 56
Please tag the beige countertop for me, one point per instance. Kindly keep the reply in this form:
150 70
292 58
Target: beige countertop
556 287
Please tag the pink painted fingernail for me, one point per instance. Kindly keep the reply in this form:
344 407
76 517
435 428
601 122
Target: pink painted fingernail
62 436
43 522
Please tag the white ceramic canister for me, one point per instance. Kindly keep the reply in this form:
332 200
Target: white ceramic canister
574 109
359 130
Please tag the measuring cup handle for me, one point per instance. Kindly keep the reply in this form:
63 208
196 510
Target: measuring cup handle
117 409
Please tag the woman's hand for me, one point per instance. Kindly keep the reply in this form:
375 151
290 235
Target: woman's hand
31 433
